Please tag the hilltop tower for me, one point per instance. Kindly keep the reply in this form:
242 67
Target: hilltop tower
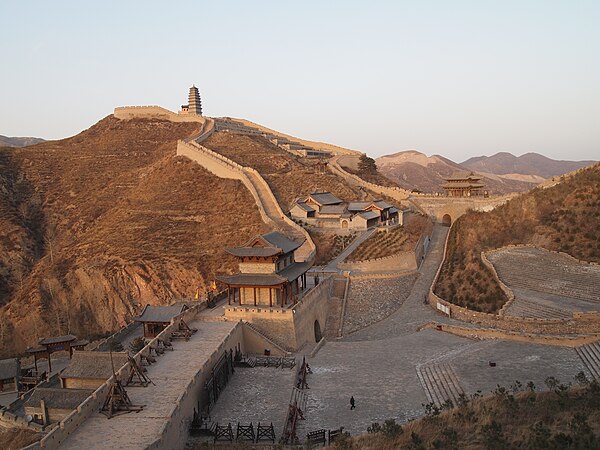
194 106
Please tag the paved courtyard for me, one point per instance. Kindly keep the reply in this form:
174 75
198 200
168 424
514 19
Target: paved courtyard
392 369
259 394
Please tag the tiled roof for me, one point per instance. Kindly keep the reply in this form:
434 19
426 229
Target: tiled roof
58 339
304 206
463 175
57 398
94 365
252 279
369 215
332 209
253 251
164 314
283 242
9 368
325 198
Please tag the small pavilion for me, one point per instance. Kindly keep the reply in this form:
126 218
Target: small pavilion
10 372
463 184
268 274
157 318
47 346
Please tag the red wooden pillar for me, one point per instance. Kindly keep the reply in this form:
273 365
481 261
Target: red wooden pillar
271 297
254 296
228 295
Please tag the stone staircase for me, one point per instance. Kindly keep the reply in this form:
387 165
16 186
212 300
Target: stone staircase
274 342
522 307
547 272
440 383
590 356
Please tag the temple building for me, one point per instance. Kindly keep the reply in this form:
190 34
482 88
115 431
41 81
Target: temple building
268 274
325 210
51 405
89 370
50 345
194 105
463 184
157 318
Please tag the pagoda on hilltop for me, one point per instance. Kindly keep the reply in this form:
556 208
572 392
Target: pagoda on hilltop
463 184
194 105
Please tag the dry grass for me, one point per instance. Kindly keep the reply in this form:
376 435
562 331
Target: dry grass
562 218
288 176
107 221
394 241
561 419
329 245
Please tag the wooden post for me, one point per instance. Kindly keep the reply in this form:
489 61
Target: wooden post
228 295
254 296
271 297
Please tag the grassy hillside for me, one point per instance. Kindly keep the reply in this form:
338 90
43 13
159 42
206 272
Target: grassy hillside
562 218
288 176
95 226
515 418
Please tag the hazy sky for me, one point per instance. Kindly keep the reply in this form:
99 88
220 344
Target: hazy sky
457 78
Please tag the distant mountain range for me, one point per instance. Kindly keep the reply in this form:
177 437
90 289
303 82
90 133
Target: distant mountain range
6 141
504 163
502 173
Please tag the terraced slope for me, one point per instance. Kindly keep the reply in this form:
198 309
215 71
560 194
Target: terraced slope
563 217
95 226
288 176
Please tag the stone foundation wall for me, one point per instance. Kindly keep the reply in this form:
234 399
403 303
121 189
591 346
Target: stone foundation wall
153 112
581 323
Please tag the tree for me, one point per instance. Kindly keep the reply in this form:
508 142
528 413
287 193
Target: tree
367 165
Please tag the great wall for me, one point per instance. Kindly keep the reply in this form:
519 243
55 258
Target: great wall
290 330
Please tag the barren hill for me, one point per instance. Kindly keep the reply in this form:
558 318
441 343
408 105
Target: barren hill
416 171
97 225
288 176
504 163
563 217
6 141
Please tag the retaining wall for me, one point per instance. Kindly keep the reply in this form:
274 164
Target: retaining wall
175 432
293 327
154 112
581 324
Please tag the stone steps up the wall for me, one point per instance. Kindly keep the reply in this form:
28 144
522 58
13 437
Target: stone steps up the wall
440 383
525 308
543 271
275 342
590 356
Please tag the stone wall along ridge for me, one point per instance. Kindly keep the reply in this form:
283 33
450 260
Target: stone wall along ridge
154 112
393 192
270 211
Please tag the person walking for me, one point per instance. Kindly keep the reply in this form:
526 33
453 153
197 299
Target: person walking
352 403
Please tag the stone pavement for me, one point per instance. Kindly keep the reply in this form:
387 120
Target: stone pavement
259 394
382 375
391 369
171 374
